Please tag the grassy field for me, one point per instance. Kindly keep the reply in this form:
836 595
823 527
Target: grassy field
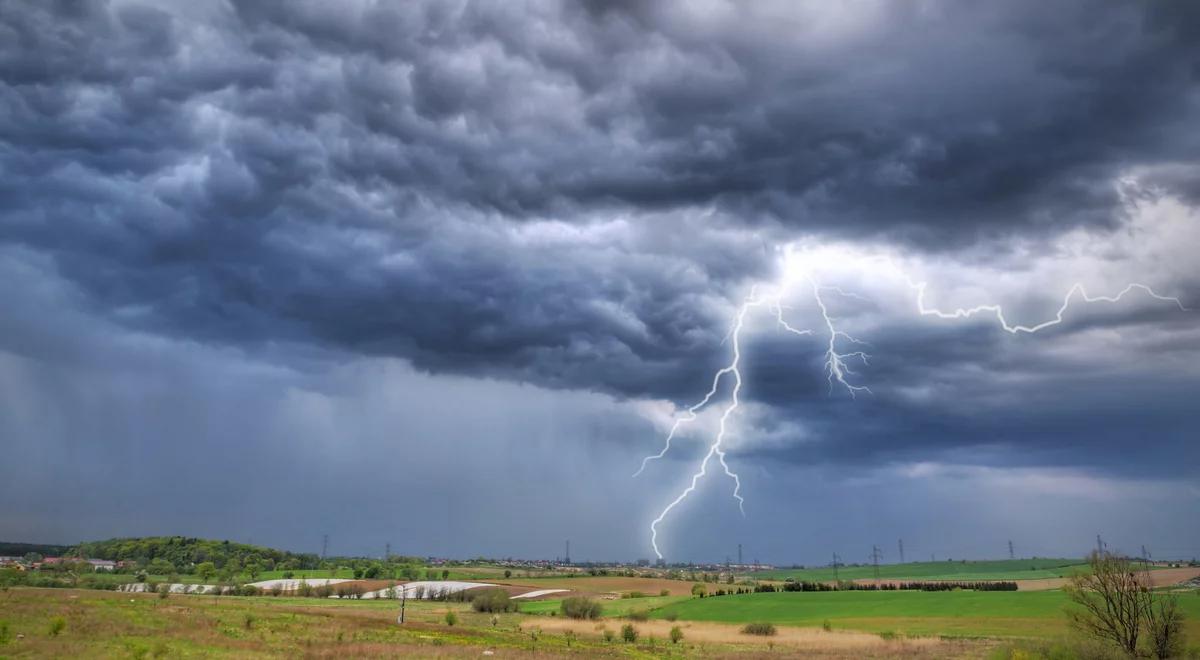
612 608
1007 569
105 624
1037 614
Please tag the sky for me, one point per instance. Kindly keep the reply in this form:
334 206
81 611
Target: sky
441 274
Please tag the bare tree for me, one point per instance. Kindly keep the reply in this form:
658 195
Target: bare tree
1111 601
1118 605
1164 622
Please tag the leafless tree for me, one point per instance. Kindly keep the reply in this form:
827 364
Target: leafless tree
1118 605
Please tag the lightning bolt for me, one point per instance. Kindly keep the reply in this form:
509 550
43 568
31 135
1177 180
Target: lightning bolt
836 364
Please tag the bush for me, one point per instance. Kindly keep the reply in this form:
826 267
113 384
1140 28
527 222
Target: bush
609 635
826 626
57 624
492 600
665 592
765 629
581 607
676 635
639 615
451 618
629 633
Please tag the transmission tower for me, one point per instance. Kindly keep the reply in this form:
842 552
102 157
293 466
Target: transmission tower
901 544
324 545
836 561
1011 555
875 556
739 554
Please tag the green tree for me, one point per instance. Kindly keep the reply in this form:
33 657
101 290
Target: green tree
253 569
205 570
676 634
629 633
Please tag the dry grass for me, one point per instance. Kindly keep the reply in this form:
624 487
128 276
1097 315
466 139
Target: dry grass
810 642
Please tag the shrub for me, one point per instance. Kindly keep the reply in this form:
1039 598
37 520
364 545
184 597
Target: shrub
639 615
676 635
629 633
826 626
3 632
451 618
581 607
492 600
763 628
671 616
665 592
609 635
57 624
248 620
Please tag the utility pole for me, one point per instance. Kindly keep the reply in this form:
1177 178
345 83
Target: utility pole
739 554
901 544
403 600
875 555
1011 555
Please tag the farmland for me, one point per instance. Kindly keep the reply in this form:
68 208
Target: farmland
1008 569
950 613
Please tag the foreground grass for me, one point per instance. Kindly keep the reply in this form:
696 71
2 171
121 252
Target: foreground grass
1006 569
105 624
1033 614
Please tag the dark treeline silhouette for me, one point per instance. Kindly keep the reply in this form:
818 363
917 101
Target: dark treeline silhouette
853 586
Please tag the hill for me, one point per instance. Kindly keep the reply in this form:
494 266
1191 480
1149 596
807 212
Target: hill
182 551
21 549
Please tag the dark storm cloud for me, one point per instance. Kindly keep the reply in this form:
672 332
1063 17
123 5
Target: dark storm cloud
563 195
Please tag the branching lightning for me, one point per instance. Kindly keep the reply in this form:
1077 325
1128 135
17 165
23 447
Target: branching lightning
836 363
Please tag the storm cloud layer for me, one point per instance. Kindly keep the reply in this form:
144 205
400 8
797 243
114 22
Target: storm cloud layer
296 203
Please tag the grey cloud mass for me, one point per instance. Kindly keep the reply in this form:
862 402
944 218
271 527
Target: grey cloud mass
224 226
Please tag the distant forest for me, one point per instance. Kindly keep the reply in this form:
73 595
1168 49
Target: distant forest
182 552
22 549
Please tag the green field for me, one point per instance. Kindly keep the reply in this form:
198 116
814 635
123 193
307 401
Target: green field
964 613
620 607
1007 569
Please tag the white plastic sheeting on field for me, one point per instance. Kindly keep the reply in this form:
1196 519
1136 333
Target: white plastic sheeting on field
424 590
540 592
293 584
176 588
